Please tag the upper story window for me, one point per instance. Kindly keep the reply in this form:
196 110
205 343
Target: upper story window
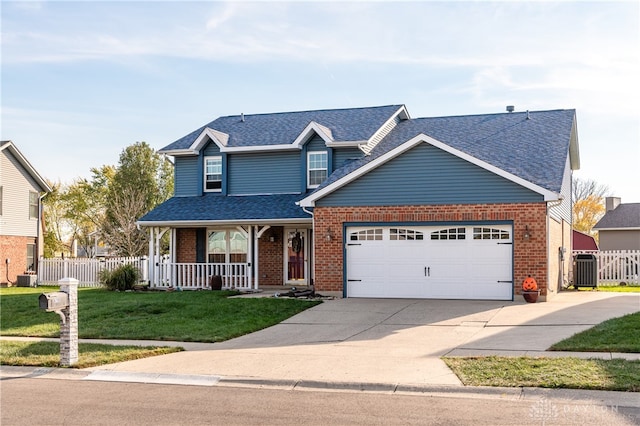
316 168
213 174
33 205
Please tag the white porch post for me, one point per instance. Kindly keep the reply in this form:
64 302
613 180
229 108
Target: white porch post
152 259
247 234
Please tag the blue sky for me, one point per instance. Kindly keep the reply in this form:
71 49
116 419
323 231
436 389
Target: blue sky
83 80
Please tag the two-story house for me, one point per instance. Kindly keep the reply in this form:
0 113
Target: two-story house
370 202
21 228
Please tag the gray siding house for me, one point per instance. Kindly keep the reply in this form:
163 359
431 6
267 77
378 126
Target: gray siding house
619 228
370 202
21 228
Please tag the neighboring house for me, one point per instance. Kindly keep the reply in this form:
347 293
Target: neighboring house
21 227
619 228
370 202
583 242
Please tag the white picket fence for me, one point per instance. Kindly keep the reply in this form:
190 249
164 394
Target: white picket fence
613 266
86 271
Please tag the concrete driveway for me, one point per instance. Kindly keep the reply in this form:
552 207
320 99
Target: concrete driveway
391 341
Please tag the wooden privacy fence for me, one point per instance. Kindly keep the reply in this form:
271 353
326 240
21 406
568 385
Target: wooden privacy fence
614 266
86 271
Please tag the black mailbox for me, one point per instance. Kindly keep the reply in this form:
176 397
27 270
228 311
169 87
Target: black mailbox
52 302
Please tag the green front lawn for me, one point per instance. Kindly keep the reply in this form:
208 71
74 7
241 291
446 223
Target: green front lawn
198 316
615 335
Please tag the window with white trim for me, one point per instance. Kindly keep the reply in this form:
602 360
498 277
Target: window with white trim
33 205
316 168
213 174
227 246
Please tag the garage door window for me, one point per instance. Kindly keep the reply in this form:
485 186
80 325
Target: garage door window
399 234
367 235
449 234
490 234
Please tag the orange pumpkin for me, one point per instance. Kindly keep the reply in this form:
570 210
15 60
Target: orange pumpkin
529 284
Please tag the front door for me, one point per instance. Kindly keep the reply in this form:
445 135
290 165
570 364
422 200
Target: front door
296 254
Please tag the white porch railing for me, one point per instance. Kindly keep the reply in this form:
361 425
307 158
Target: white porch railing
194 276
616 266
86 271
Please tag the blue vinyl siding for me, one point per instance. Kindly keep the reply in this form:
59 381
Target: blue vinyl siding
187 176
264 173
342 155
428 175
211 149
316 143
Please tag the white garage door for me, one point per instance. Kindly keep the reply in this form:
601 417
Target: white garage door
444 262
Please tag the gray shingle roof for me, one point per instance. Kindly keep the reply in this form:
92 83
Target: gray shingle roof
534 149
217 207
353 124
623 216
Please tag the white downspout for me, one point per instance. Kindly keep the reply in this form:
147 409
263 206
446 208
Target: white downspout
313 247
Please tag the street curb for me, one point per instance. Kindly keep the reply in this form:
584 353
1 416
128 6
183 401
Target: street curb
608 398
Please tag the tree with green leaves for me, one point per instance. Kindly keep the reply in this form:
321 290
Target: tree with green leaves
143 179
86 206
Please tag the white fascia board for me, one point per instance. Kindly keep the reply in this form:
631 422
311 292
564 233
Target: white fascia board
402 113
574 147
27 165
287 147
629 228
311 199
346 144
178 152
197 223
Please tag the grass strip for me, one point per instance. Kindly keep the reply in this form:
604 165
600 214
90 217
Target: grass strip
568 373
614 335
47 354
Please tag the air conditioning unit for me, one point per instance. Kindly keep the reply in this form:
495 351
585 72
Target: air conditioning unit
27 280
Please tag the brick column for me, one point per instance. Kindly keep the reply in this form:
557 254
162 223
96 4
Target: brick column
69 326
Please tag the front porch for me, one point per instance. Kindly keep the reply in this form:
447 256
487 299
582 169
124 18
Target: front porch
243 257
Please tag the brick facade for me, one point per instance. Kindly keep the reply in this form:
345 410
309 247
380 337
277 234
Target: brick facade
270 257
270 261
13 248
530 256
186 245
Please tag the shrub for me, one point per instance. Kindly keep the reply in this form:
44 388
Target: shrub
121 278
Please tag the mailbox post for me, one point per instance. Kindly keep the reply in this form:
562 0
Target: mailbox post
69 327
65 304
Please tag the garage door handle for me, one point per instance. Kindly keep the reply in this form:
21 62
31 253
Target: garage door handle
505 281
354 280
427 271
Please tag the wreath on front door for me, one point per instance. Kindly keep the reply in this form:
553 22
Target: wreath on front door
296 243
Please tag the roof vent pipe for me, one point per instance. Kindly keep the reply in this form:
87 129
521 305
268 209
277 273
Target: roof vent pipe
242 117
528 117
510 108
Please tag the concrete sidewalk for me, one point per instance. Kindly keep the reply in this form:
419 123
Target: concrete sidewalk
381 343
